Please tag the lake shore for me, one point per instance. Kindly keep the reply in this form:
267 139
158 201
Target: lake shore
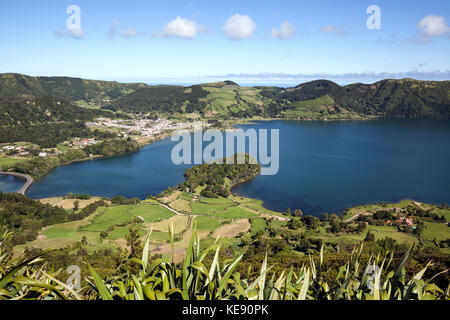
284 190
28 180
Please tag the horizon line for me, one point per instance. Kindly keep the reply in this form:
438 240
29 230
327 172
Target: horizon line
268 78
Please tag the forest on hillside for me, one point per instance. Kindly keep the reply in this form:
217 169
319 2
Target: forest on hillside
46 121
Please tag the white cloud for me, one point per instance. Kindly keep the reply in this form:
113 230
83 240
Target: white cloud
129 33
239 27
338 31
179 28
287 31
432 26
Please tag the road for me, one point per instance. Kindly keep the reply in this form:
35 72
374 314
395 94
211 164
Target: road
28 180
355 216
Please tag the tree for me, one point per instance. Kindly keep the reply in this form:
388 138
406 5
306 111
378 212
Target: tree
294 224
134 242
288 211
334 216
370 237
311 222
103 235
325 217
361 227
298 213
335 226
76 205
419 228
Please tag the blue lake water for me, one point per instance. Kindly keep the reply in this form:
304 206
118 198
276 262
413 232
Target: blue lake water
330 166
10 184
324 167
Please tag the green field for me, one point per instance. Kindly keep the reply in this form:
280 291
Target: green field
202 208
208 223
8 162
187 196
120 233
122 215
236 213
258 225
381 232
316 104
435 231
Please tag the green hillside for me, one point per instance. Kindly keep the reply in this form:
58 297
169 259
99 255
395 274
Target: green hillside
45 121
214 100
406 98
319 100
44 110
74 89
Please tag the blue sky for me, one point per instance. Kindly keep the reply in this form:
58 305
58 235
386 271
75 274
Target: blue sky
144 40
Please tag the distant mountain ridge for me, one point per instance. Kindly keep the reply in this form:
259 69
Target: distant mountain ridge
405 98
320 99
13 85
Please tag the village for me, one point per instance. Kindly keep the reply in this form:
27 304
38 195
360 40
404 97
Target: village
138 127
141 127
26 150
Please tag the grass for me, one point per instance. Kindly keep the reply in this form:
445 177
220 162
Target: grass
224 99
179 224
258 225
63 234
181 205
68 204
434 230
374 207
217 201
201 208
316 104
62 147
208 223
187 196
320 108
113 216
381 232
159 237
120 233
224 242
9 162
119 215
236 213
171 197
151 213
